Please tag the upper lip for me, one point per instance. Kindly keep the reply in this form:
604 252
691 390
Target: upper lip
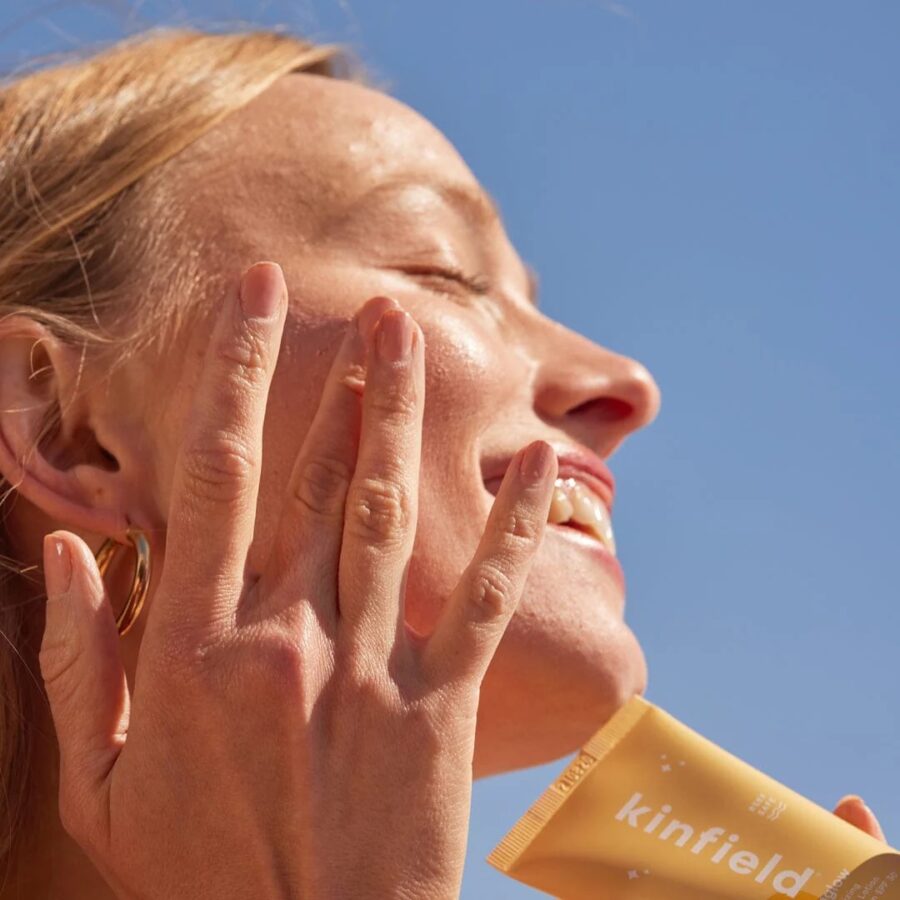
575 461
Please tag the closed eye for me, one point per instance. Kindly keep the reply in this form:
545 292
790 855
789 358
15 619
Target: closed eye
476 284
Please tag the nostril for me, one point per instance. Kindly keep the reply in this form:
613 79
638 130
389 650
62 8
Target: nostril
604 409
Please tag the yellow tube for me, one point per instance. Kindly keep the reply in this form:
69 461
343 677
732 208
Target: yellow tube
650 809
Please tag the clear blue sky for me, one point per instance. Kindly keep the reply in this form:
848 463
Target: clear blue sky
713 188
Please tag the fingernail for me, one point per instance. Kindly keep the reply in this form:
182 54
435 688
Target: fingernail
262 288
394 336
537 460
368 316
57 565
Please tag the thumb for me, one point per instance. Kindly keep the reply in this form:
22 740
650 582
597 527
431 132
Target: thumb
83 674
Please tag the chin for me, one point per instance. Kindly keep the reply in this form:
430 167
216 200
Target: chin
560 673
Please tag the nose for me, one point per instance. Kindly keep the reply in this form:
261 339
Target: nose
597 395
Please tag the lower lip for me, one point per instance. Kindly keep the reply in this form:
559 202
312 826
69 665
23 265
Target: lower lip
594 546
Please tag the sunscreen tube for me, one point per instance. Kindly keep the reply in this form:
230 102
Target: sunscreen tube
650 809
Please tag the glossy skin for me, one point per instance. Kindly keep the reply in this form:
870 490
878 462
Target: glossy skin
283 179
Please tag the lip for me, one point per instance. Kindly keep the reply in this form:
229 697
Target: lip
574 461
578 462
609 562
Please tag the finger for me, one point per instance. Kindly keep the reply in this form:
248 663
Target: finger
216 481
308 540
86 686
471 626
381 509
853 809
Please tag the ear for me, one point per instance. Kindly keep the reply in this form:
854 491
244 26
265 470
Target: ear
49 451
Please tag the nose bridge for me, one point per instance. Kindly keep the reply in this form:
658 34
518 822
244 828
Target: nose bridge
576 375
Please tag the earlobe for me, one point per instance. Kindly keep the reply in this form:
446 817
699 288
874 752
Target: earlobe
47 445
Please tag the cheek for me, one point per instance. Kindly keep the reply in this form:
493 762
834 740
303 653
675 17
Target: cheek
466 380
449 528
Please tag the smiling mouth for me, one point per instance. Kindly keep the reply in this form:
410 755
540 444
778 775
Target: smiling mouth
577 506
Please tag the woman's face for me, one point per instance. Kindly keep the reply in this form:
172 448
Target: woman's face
356 195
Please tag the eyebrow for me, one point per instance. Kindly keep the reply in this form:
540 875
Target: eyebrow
477 201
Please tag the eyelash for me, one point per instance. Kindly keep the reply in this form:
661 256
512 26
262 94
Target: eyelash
476 284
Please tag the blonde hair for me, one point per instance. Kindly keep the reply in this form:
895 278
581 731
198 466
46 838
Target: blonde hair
84 153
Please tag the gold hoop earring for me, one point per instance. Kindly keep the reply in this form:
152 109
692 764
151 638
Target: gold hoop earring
139 584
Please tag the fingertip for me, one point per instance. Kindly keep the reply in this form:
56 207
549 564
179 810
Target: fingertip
370 312
538 461
262 290
393 337
854 810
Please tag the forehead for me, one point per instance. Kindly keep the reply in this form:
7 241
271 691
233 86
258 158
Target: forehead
309 146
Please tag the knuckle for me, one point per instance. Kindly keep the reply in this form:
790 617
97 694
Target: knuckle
379 511
492 593
246 668
322 486
245 355
395 402
180 650
280 662
220 468
178 658
518 529
364 687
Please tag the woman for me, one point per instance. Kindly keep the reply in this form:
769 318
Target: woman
317 672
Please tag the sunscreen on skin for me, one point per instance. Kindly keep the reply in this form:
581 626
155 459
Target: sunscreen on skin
651 810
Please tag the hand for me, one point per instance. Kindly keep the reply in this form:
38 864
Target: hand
852 809
287 738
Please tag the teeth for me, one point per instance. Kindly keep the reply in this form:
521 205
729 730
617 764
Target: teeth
561 506
573 502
